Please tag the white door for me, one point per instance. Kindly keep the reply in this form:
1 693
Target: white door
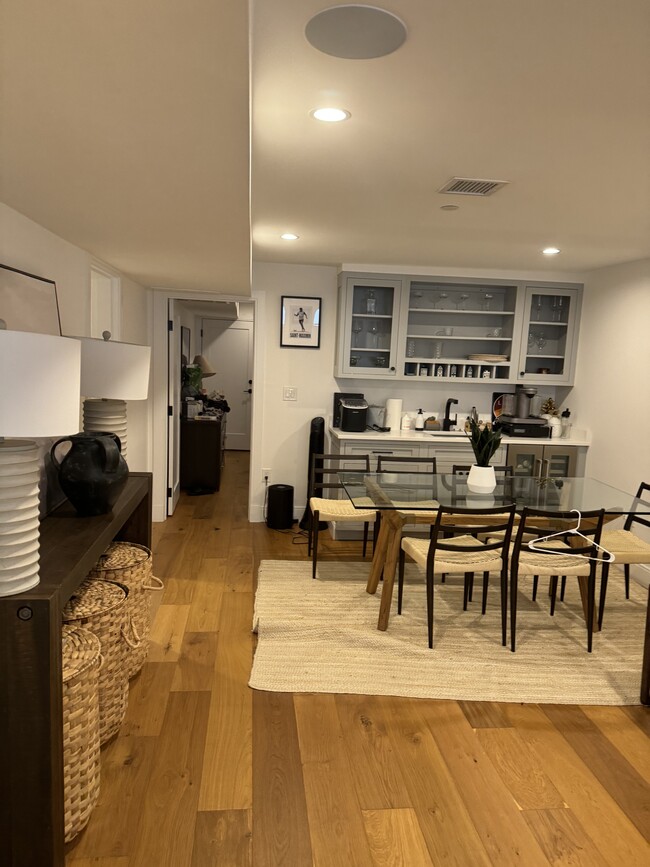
173 408
228 346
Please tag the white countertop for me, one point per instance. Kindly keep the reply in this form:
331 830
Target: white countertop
577 438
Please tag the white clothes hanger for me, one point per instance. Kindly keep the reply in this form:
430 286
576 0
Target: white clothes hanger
575 531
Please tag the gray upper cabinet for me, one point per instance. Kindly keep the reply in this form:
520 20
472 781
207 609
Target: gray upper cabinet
368 327
548 348
452 328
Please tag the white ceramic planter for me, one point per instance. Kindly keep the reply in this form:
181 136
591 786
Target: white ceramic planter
481 480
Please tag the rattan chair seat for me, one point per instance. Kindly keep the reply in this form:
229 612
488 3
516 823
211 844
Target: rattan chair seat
626 546
475 560
342 510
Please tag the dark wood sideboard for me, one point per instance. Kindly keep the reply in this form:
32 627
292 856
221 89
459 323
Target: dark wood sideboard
31 730
202 453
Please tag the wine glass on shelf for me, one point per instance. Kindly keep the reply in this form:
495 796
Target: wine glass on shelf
373 331
442 297
487 297
538 307
460 301
559 308
540 341
357 327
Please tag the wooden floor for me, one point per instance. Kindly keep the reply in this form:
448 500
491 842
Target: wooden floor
206 771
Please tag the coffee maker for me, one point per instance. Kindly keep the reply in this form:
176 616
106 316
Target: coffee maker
520 417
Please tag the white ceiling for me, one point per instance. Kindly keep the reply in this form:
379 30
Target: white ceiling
125 130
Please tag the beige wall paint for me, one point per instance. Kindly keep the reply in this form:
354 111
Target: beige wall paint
611 396
26 245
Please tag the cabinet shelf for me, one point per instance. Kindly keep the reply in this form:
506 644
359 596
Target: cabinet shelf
367 349
459 337
370 316
447 310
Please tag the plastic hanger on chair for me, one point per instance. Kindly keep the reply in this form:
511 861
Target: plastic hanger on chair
575 531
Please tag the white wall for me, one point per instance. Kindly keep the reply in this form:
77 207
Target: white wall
281 428
29 247
611 395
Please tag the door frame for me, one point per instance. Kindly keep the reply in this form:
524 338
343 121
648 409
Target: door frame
160 375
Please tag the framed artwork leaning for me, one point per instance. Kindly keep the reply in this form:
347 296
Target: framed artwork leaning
28 302
300 322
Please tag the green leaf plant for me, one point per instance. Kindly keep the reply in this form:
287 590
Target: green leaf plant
485 441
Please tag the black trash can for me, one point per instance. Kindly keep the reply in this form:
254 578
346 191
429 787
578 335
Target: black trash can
279 508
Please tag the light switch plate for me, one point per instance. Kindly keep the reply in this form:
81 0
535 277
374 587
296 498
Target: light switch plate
289 392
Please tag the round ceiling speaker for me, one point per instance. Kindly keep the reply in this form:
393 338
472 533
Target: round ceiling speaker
355 32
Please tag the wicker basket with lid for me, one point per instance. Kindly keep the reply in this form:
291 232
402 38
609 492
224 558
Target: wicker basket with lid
100 606
130 564
81 659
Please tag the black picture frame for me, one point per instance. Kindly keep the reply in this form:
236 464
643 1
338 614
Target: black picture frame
28 302
300 321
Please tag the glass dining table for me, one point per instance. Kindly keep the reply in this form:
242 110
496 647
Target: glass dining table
393 492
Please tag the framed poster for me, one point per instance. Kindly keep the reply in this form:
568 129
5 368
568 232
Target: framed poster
300 322
28 302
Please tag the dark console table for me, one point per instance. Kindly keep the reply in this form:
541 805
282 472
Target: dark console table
31 723
202 453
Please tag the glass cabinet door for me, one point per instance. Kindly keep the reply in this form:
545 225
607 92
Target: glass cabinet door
371 328
547 350
525 460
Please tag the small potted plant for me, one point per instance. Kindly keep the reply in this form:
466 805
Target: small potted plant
484 441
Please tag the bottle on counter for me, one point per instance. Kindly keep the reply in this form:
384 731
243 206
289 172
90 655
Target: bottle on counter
566 424
419 420
406 421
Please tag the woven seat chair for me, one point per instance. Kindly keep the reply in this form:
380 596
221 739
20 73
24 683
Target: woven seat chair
451 548
323 477
626 547
579 556
407 465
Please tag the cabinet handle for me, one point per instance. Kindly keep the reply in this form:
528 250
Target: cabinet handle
538 468
392 368
548 468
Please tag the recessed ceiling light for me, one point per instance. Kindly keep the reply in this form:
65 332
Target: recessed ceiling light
289 236
449 207
330 115
551 251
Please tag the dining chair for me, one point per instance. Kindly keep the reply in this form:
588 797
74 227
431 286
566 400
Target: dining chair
452 548
406 464
323 477
627 548
574 549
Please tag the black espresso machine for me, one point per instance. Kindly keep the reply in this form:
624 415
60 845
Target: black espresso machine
517 415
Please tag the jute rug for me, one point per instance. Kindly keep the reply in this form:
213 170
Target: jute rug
321 636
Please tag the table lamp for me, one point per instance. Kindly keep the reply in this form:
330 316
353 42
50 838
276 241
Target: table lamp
204 366
39 397
112 373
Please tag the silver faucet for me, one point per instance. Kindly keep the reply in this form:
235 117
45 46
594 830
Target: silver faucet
447 422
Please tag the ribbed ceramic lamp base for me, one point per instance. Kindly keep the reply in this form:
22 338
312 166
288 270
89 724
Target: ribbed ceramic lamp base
19 516
106 415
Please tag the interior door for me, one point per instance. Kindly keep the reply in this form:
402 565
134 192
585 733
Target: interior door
228 346
173 407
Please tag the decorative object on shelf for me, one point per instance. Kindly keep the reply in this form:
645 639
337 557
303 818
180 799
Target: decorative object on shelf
453 370
549 407
354 360
300 322
439 370
39 396
410 347
484 441
371 303
93 473
112 372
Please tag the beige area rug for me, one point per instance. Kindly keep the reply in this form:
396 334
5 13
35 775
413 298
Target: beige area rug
321 636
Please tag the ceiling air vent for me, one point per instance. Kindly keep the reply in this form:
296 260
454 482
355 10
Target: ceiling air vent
471 187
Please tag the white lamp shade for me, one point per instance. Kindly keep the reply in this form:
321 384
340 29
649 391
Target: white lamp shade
39 384
110 369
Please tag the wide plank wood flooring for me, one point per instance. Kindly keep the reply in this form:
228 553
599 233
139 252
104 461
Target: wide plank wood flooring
207 772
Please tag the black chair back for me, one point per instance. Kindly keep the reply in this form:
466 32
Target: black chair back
324 469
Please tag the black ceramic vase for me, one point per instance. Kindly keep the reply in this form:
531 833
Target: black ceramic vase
93 473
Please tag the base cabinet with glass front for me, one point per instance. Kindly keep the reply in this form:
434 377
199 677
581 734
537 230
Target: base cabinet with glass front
542 462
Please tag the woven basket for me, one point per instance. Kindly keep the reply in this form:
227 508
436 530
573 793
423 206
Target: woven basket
130 564
81 657
100 606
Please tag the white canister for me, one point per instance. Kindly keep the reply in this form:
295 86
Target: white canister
556 426
393 415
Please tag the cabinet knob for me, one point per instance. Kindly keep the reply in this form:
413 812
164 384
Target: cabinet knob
392 368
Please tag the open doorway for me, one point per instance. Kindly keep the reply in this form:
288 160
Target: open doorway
221 332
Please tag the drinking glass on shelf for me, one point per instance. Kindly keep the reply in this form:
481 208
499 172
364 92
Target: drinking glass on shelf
559 309
357 327
538 307
460 301
442 297
374 336
410 347
371 303
437 349
540 341
487 297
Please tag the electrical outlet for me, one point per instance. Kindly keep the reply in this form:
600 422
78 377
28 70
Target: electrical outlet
266 475
289 392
